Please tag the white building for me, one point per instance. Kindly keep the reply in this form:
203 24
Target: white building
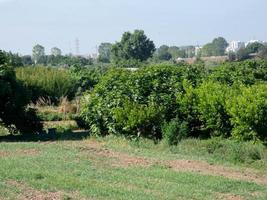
234 46
197 50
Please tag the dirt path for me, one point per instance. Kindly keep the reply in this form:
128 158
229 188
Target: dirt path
125 160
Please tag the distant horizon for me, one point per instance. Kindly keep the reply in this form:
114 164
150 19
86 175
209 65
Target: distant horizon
48 50
58 23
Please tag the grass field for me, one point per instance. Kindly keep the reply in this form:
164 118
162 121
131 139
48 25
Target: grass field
116 168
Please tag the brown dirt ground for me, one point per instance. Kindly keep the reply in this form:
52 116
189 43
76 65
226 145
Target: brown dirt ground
221 196
19 152
29 193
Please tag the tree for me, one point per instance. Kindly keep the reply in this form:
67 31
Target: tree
242 54
27 60
216 48
189 51
133 46
104 51
56 51
263 52
220 45
10 59
162 53
14 98
38 54
176 52
3 58
207 50
254 47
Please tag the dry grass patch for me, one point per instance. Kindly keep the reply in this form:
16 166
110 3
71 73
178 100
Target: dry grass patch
19 152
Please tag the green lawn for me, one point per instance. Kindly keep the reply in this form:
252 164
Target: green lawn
114 168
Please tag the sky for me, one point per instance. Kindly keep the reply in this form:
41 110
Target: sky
24 23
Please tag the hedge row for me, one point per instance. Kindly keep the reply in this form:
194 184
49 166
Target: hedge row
182 101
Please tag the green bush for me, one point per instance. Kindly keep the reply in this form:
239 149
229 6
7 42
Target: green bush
87 77
143 98
146 102
174 131
223 150
187 105
14 98
248 111
247 72
47 82
235 151
142 120
211 106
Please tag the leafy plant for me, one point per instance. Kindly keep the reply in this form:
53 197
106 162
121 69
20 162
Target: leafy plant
47 82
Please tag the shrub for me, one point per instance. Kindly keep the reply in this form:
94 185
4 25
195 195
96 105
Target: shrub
247 72
233 150
174 131
248 111
135 102
86 77
47 82
14 98
187 105
211 106
142 120
139 102
223 150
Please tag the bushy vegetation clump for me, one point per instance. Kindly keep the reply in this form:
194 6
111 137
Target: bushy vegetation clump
47 82
86 77
174 102
14 98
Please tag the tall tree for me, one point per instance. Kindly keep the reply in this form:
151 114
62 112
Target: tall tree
38 54
254 47
176 52
216 48
133 46
3 58
220 45
27 60
162 53
104 51
56 51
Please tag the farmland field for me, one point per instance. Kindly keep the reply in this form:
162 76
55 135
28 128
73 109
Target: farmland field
116 168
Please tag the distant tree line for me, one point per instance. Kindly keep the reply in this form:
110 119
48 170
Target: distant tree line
134 49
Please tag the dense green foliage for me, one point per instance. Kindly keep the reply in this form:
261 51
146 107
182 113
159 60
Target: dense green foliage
14 98
47 82
104 51
215 48
167 101
86 77
10 59
133 47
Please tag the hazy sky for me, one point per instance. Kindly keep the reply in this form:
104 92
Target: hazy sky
50 23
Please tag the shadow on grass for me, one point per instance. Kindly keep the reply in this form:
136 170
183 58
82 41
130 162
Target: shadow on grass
59 136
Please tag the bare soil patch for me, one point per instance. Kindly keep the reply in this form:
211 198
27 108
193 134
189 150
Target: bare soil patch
221 196
19 152
119 159
28 193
